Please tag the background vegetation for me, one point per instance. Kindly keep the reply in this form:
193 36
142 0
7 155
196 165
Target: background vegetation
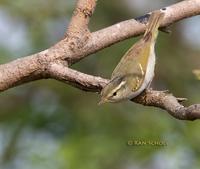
48 125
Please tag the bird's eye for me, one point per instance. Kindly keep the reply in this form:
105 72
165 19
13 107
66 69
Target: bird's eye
115 94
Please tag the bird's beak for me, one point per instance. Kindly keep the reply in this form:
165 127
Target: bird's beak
102 101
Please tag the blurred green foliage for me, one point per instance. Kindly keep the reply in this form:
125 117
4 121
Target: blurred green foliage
47 124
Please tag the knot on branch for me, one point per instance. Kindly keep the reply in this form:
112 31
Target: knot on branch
86 12
78 42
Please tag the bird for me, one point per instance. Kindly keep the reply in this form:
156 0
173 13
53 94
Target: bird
135 71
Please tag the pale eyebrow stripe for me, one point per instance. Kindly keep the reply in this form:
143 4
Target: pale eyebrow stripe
118 87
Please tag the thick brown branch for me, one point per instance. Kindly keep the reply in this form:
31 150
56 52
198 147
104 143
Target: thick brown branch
161 99
131 28
78 32
30 68
80 19
21 71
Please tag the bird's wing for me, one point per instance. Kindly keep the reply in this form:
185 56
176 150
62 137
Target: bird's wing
134 61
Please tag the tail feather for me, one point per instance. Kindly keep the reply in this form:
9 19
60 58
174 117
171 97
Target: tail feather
153 24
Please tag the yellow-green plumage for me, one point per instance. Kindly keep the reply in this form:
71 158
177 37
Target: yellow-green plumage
135 70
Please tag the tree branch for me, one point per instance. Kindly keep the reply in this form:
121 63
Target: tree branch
75 78
21 71
81 17
170 103
79 43
161 99
131 28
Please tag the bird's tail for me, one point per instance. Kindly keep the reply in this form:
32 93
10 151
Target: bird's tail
153 25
